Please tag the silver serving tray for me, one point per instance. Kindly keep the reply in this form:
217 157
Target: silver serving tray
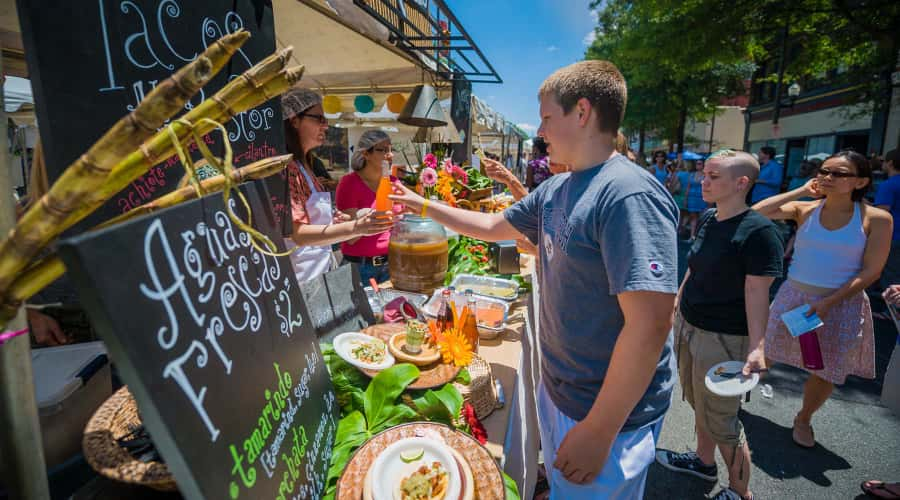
389 294
463 281
431 307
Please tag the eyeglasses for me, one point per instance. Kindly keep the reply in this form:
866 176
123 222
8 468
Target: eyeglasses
319 118
824 172
383 150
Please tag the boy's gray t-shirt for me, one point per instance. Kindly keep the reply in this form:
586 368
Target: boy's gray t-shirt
602 231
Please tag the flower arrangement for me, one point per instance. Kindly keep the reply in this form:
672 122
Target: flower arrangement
446 180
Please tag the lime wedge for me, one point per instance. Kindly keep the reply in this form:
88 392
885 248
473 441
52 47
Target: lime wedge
412 455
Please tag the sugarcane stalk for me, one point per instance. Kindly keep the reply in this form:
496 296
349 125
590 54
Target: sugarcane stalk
43 221
220 107
49 269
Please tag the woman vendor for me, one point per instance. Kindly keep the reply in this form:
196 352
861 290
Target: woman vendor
316 225
356 192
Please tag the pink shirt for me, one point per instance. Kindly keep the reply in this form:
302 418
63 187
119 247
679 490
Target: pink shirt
353 193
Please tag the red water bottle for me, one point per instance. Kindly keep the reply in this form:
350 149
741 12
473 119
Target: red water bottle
810 351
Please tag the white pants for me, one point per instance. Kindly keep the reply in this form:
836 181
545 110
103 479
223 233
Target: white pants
625 472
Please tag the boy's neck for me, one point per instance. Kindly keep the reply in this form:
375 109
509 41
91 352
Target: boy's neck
595 150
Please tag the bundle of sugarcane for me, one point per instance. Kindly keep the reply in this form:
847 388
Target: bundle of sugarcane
260 83
43 221
47 270
125 153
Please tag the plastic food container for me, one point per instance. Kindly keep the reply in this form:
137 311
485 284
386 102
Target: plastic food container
70 383
389 294
486 286
486 307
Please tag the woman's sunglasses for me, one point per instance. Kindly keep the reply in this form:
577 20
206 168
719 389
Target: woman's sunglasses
824 172
319 118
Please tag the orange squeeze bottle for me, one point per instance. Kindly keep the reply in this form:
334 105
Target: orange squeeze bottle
382 202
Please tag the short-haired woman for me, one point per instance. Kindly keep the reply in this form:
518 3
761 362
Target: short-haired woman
841 246
356 194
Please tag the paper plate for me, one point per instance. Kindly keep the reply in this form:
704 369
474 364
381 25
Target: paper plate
390 469
344 344
730 386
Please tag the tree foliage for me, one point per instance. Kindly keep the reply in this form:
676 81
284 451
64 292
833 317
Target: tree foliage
680 56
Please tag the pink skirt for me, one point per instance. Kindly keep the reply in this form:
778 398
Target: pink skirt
847 339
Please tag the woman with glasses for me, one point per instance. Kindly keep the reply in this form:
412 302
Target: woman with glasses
356 193
316 225
840 248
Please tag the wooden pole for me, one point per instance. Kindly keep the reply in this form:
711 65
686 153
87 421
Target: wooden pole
20 441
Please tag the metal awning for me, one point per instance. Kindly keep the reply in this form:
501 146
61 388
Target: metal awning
431 32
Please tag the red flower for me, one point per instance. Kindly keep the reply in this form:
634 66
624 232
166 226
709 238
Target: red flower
475 426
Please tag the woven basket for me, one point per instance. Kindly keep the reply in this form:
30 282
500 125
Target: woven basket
480 391
117 417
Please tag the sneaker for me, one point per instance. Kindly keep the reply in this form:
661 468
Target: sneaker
688 463
727 494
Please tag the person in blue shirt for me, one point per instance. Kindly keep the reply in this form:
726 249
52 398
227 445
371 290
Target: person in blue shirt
608 253
770 175
659 169
888 198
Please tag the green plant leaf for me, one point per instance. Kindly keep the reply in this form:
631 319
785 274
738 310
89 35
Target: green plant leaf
443 405
348 382
396 415
383 391
351 434
431 407
464 377
512 491
451 398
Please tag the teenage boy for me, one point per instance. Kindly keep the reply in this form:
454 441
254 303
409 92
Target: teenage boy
606 235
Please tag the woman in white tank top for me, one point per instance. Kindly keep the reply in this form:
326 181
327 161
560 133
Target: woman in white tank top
841 247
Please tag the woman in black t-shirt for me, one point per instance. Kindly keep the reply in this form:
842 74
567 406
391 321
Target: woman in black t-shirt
721 313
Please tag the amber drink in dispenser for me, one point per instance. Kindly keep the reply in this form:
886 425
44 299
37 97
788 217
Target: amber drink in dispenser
417 254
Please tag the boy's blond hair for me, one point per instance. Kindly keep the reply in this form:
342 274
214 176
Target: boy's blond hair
600 82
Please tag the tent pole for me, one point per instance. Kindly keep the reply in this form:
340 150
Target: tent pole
21 448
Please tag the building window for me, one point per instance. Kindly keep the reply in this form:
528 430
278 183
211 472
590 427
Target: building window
820 147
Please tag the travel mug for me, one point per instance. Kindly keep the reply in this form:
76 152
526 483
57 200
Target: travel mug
810 352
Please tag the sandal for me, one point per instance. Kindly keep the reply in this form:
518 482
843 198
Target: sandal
803 434
879 489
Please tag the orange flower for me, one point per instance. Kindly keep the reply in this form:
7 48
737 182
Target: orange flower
455 349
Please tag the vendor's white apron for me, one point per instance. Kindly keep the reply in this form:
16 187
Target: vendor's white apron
311 261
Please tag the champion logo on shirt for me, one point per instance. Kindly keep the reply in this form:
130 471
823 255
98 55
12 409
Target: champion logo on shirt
656 269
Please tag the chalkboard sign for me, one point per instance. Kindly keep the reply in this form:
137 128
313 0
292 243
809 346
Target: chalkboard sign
461 114
337 302
91 62
216 344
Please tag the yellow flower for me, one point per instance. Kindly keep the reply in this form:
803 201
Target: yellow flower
455 349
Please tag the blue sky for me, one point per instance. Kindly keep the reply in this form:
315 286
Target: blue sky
525 41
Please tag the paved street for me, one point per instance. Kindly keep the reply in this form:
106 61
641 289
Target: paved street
857 439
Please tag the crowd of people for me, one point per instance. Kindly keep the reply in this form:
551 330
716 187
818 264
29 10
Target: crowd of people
605 231
606 237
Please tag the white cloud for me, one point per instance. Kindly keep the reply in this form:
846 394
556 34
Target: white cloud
589 38
527 127
552 48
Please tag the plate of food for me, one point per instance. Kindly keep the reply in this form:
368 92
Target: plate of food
363 351
417 468
725 379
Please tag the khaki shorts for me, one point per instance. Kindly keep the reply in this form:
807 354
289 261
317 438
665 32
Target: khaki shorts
697 350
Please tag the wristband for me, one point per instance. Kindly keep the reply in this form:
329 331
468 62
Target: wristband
424 207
